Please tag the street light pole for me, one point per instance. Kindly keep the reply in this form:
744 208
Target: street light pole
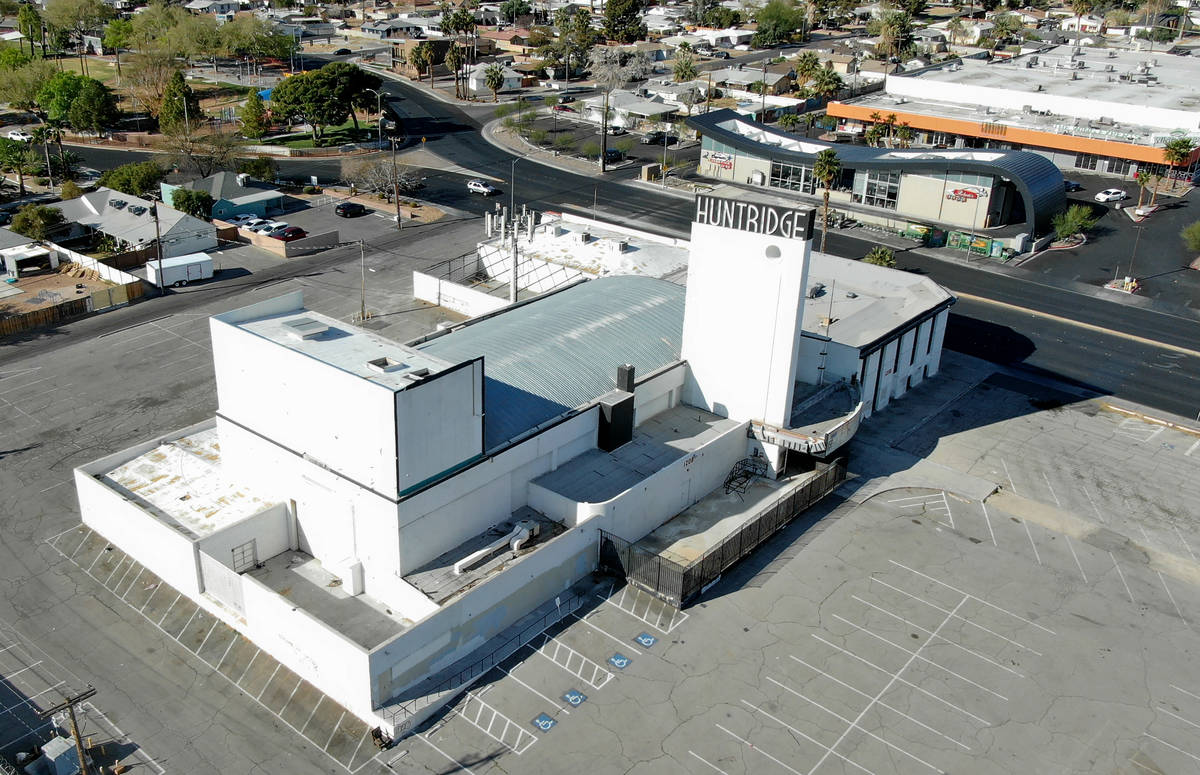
362 265
512 186
396 188
379 113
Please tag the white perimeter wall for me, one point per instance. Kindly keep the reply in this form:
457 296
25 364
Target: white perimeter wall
468 301
271 529
741 322
335 417
903 363
1016 99
657 392
185 238
440 518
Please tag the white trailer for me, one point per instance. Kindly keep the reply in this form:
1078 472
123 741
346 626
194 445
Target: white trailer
180 270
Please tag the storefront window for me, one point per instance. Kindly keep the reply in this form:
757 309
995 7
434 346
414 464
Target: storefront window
877 189
793 177
1085 161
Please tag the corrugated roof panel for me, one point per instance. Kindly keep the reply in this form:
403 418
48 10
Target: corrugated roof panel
562 351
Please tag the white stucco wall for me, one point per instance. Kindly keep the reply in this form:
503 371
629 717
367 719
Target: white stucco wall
657 392
439 423
337 418
270 529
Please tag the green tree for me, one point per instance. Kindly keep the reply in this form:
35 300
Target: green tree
827 83
254 117
58 93
1191 237
827 169
197 204
180 107
1007 26
70 190
789 122
623 21
18 158
36 221
807 66
118 34
77 17
421 58
1076 219
12 58
29 24
1176 153
777 21
306 98
684 68
139 178
348 83
905 135
895 34
721 17
260 167
880 256
94 108
493 78
511 10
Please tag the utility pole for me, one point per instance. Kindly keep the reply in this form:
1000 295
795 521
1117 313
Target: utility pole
362 265
158 249
708 93
68 704
604 137
764 92
396 188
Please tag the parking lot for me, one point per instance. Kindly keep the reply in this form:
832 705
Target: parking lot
571 134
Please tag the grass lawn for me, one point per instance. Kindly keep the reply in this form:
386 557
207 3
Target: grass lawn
334 136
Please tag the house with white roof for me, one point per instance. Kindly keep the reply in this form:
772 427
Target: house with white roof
130 220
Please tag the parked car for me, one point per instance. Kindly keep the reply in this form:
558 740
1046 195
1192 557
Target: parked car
563 109
720 54
280 228
566 98
266 226
350 210
481 187
1071 185
242 220
657 137
252 223
1111 195
613 155
20 135
613 129
343 52
289 234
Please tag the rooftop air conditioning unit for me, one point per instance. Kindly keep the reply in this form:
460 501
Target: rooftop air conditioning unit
1112 53
1110 69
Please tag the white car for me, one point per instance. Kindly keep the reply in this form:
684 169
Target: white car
242 220
20 135
481 187
1111 195
266 226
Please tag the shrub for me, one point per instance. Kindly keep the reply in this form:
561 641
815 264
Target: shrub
880 256
590 149
537 136
43 181
1076 219
311 190
70 190
1191 237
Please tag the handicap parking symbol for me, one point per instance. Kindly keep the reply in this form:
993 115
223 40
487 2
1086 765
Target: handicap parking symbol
575 698
646 640
544 722
619 661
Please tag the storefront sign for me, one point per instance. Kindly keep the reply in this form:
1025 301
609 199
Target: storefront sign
754 217
720 159
967 194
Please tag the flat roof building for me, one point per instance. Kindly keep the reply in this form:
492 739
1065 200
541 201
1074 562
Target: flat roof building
1097 109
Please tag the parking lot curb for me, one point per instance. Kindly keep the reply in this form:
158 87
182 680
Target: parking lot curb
1191 430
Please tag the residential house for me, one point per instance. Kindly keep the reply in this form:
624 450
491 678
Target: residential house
477 82
130 221
515 41
780 79
628 109
931 37
388 29
232 194
1086 23
654 51
727 38
213 6
17 249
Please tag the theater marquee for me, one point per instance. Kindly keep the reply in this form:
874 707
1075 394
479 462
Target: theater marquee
755 218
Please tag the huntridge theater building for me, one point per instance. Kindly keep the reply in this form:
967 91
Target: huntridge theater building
1001 199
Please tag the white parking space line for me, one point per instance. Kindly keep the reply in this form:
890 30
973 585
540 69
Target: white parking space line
1011 484
1185 691
1181 718
949 513
973 597
904 681
928 632
937 607
461 767
1172 597
587 667
1192 448
631 609
754 747
485 718
11 676
853 725
1122 575
988 520
1053 494
602 632
29 700
914 655
1173 747
712 766
27 384
1076 556
1094 508
828 749
880 703
555 703
1183 541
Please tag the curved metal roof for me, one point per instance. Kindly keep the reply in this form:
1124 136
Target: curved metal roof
561 351
1038 180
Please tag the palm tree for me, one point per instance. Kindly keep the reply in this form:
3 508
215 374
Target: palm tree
827 83
1080 7
807 66
1178 151
685 67
421 58
18 157
493 78
955 28
905 135
1143 180
789 122
826 169
455 57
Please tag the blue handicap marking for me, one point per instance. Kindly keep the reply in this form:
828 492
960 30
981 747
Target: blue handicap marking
646 640
575 697
619 661
544 722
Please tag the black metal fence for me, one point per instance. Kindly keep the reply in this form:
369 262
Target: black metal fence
675 583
